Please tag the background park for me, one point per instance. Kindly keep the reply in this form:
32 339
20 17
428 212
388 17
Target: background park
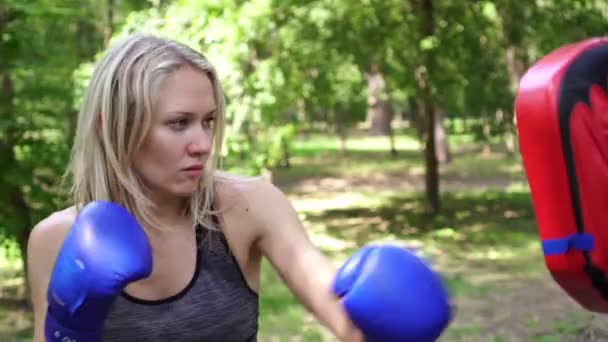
382 120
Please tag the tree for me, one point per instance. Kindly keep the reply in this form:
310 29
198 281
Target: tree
43 44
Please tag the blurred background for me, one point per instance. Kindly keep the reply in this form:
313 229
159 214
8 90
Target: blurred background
383 120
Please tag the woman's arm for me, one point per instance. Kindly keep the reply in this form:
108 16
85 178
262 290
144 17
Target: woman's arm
303 268
43 246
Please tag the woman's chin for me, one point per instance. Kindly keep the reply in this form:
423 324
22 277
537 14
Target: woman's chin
185 191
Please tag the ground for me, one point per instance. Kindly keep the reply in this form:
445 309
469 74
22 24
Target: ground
496 302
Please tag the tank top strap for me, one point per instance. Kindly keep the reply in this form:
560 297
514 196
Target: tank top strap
214 242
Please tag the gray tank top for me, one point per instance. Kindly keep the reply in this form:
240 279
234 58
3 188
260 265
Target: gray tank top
217 304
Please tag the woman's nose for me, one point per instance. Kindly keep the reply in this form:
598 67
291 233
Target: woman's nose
200 143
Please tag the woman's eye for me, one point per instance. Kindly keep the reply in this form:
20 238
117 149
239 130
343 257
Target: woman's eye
208 123
178 124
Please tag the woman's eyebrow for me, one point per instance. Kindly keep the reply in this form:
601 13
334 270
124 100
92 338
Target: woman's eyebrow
211 112
188 113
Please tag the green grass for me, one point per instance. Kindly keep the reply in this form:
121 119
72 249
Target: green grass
310 144
321 157
480 239
15 318
317 156
482 242
281 314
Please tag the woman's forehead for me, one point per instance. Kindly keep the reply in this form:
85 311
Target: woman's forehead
186 90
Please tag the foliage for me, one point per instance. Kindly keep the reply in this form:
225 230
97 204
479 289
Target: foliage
288 67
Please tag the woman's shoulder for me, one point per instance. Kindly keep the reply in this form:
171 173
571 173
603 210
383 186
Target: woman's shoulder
254 200
58 220
48 234
233 189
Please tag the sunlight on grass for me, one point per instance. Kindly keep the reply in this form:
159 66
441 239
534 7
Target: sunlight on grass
480 165
330 244
402 143
322 202
492 230
521 186
481 241
417 170
504 253
11 282
317 142
448 232
318 164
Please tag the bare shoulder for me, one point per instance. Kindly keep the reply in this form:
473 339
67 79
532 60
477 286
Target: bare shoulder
54 226
259 202
46 236
247 193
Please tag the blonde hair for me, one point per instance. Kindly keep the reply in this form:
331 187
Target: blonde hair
115 117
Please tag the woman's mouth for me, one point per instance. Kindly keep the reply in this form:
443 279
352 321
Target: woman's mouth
193 171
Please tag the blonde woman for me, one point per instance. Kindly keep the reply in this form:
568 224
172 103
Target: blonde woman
159 245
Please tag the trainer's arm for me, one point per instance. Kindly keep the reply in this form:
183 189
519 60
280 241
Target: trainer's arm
303 268
42 249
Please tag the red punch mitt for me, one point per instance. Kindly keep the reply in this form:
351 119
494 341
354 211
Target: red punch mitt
562 123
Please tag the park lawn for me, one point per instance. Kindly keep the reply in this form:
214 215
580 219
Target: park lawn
480 239
15 319
483 243
318 156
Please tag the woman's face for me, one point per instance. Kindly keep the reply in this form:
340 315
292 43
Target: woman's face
173 154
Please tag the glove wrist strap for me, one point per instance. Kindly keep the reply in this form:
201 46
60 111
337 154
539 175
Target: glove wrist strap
55 331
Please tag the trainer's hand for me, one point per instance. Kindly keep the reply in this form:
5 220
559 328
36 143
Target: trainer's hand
392 295
105 250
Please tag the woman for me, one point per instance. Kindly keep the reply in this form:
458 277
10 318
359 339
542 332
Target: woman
148 138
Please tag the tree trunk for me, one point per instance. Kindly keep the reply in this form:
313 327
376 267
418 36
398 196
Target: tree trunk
342 130
486 131
109 22
393 147
249 133
432 203
415 117
301 105
303 118
23 211
512 14
516 66
391 132
285 155
378 113
441 138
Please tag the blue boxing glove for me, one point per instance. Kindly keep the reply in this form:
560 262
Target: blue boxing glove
105 250
392 296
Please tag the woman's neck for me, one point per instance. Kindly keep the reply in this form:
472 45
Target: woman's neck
169 211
